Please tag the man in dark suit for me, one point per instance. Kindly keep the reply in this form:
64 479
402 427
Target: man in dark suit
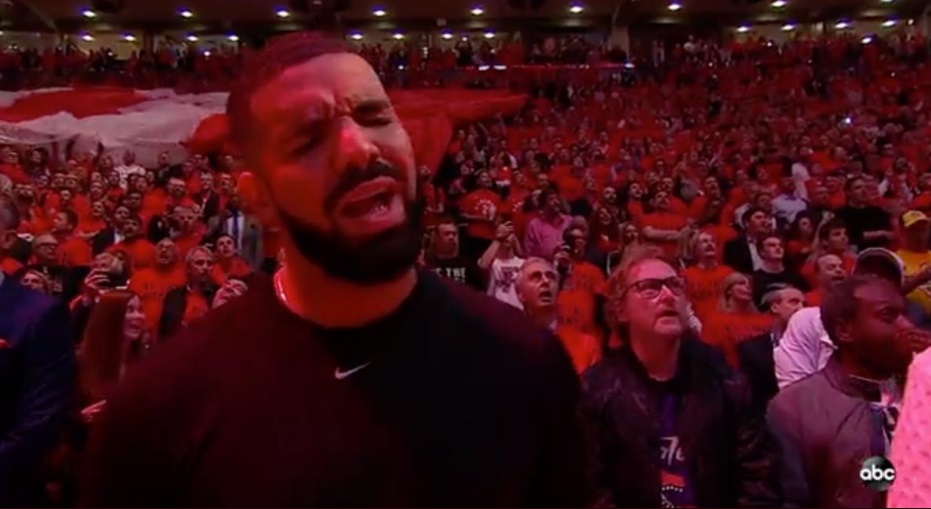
186 303
37 372
756 354
244 228
208 200
741 253
111 235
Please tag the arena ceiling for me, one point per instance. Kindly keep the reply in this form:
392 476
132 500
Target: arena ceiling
266 15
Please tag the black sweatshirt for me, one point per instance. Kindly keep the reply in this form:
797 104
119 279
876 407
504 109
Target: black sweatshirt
463 403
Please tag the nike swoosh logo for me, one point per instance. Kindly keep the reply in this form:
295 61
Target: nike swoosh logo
342 375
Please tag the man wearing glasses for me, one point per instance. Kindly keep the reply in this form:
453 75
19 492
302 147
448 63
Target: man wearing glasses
671 424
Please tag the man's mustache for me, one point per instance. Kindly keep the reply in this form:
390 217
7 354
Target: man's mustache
354 176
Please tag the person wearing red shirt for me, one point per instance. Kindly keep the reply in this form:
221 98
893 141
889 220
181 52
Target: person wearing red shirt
73 251
228 262
480 208
8 227
663 226
704 281
140 252
188 232
153 283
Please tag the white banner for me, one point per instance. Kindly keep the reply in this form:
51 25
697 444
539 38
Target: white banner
149 128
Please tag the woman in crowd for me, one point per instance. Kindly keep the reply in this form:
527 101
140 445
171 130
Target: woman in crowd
737 319
630 237
115 338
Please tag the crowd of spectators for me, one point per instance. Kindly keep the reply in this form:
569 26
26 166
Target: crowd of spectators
762 172
207 68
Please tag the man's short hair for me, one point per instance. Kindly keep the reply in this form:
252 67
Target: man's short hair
70 216
848 185
745 218
773 293
279 54
522 272
447 221
834 224
816 263
194 250
771 235
840 304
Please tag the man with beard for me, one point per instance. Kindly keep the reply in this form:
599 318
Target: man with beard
350 378
544 233
830 422
444 258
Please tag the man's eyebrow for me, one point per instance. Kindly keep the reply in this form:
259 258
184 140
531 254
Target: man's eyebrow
369 106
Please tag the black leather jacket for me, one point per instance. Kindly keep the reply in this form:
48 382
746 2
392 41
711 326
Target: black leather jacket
733 461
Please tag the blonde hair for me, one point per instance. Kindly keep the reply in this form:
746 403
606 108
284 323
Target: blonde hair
724 303
619 280
197 249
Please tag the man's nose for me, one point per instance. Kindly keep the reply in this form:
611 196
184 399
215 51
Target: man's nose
353 147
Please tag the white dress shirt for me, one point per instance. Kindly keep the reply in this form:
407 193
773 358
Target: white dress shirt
804 348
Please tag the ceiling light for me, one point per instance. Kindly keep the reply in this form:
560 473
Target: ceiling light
576 9
192 38
87 38
489 35
866 40
788 27
477 11
356 37
743 29
380 12
232 38
842 25
779 4
889 23
129 38
282 13
89 13
207 53
675 6
447 36
186 13
398 37
886 1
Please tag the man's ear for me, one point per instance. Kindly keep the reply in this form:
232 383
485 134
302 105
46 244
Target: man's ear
254 193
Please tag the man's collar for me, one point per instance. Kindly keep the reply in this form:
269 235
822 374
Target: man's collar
853 386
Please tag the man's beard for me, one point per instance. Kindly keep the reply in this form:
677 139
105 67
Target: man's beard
368 260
